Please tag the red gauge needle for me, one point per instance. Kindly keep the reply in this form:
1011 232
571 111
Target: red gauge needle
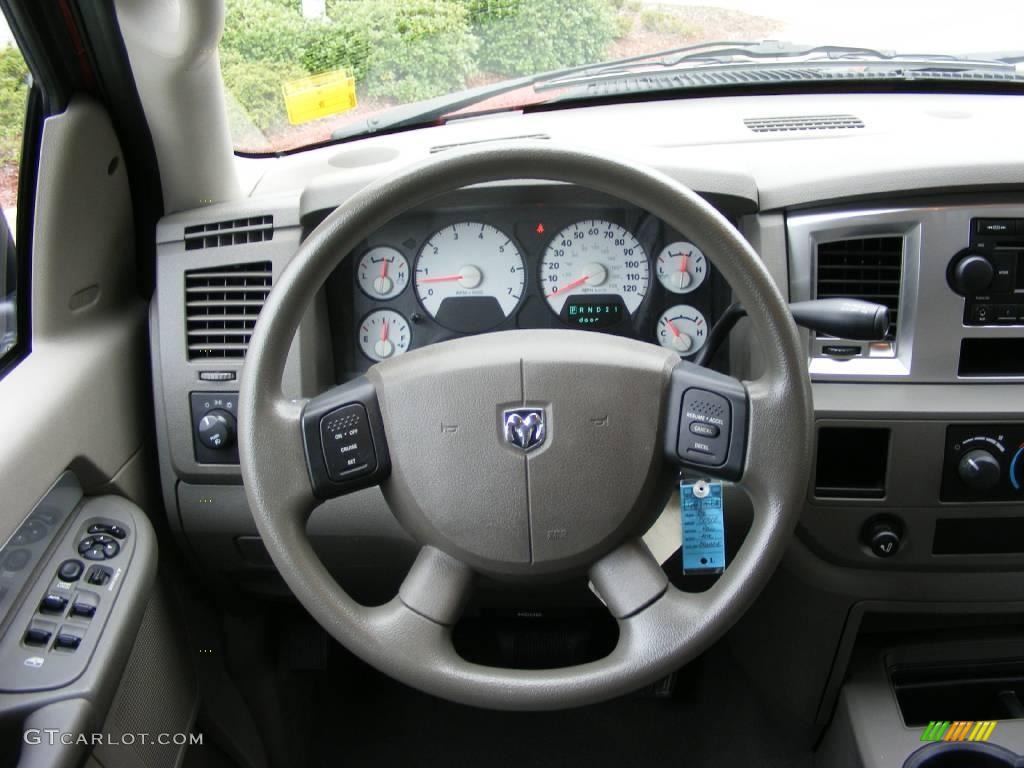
684 260
568 287
445 279
384 268
672 327
384 332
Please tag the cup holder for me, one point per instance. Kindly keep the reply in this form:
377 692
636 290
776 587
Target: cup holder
964 754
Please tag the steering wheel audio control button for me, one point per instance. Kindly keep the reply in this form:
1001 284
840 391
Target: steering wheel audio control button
348 445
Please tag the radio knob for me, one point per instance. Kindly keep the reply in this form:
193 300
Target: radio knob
979 469
972 274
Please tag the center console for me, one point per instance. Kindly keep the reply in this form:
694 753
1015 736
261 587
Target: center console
920 438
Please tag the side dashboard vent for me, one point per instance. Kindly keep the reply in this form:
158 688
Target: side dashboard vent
221 307
869 268
254 229
802 123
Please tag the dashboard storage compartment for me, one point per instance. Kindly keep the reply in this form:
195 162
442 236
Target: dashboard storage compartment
851 463
979 536
991 357
962 691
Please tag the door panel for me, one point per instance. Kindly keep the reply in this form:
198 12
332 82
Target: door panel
76 399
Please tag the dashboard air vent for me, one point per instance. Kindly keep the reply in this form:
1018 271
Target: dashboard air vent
221 307
802 123
254 229
868 268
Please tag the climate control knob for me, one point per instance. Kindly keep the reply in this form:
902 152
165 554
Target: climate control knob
972 274
979 469
217 429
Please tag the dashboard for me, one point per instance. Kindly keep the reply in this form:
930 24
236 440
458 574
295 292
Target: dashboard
525 257
918 468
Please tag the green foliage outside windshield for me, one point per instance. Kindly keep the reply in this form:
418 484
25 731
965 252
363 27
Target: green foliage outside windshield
400 50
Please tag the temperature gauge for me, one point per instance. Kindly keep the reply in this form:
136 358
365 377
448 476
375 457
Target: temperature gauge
683 329
383 272
681 267
383 334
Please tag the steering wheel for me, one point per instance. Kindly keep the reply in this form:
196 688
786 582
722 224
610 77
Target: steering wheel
526 455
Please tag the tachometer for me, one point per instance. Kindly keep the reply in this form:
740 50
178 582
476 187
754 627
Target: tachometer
469 276
594 258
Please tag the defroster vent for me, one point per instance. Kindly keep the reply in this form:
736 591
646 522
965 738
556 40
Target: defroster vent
221 307
789 124
869 268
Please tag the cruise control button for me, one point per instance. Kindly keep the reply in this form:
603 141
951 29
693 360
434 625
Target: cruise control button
704 430
347 443
70 570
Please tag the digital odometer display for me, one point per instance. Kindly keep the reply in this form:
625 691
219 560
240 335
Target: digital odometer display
594 258
594 312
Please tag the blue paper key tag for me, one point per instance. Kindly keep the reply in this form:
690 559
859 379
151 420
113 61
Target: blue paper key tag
703 527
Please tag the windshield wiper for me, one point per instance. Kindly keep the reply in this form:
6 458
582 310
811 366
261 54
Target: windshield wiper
729 53
695 56
419 113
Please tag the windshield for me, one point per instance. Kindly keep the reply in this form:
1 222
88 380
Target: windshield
297 72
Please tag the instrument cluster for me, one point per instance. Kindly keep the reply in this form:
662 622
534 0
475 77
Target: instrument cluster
600 265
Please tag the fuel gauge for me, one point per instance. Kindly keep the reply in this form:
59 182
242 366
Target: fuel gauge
383 334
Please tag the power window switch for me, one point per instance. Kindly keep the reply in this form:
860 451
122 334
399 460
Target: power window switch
53 603
68 639
37 636
84 605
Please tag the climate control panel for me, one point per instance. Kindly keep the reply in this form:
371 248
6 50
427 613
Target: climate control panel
983 463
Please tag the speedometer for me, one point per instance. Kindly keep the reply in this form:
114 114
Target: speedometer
590 268
469 276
